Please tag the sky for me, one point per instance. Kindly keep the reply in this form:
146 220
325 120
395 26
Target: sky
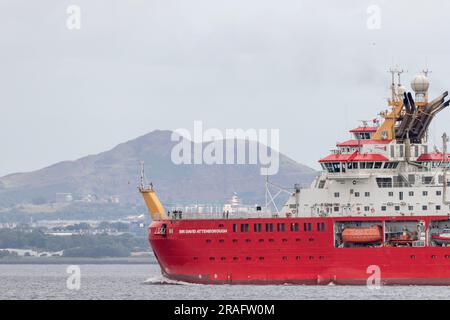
312 69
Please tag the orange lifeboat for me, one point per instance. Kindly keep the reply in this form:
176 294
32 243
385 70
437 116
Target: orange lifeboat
362 234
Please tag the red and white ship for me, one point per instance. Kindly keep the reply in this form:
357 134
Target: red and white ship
380 202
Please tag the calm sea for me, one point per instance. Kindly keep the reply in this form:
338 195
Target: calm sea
145 282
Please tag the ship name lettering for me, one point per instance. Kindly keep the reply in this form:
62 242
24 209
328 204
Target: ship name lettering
188 231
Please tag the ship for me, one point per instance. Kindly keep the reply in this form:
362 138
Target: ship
380 202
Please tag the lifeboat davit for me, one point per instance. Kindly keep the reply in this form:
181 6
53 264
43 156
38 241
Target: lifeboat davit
362 234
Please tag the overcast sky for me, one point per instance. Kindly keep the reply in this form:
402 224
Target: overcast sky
309 68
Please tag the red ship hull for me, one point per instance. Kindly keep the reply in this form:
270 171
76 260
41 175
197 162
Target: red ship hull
223 252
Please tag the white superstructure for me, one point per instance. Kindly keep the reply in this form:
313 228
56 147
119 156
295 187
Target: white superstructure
385 169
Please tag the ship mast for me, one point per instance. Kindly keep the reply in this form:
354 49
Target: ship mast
444 171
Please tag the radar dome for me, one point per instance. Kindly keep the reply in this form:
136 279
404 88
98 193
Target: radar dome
420 83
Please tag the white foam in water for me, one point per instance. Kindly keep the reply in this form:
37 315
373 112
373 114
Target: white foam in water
161 280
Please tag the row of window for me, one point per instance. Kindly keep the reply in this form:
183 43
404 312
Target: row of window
284 240
280 227
396 208
411 193
390 194
410 208
356 194
344 166
248 258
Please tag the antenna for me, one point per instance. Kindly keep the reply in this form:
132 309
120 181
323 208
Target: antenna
141 186
426 71
445 169
395 71
142 178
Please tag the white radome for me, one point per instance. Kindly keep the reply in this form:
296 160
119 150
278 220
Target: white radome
420 83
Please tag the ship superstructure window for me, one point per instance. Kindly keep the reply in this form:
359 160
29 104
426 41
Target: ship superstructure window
427 180
235 228
356 194
336 194
333 166
378 165
424 208
244 227
424 193
390 193
410 208
439 192
384 182
438 207
366 208
401 150
383 208
362 135
366 194
321 184
307 226
295 227
269 227
257 227
411 193
281 227
320 226
390 165
397 208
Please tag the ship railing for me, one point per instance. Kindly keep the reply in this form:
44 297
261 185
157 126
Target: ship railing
217 216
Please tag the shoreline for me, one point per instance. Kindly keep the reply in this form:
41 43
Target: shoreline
73 260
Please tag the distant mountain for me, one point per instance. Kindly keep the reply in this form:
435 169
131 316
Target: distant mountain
116 173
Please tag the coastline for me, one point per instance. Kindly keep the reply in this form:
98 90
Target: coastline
72 260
